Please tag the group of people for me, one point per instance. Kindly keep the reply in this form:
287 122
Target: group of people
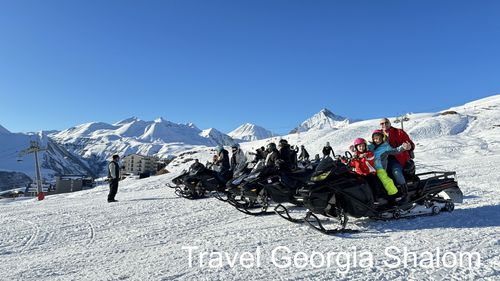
389 152
282 154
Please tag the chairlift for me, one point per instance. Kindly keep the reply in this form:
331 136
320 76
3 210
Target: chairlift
19 158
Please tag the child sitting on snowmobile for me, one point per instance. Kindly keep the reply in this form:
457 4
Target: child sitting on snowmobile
363 163
382 150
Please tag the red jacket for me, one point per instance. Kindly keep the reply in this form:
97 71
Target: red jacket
364 165
396 138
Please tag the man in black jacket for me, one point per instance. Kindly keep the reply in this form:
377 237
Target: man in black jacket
327 149
223 162
304 155
272 155
113 177
286 155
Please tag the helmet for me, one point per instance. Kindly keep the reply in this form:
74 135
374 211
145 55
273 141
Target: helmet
378 132
359 141
219 148
235 146
283 141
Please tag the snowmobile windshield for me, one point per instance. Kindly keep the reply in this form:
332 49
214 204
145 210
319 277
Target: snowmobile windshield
195 170
259 166
325 165
257 169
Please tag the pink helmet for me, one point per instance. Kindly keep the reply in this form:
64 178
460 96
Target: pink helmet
359 141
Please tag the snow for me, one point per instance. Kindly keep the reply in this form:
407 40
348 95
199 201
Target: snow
250 132
217 136
80 236
325 119
53 160
96 142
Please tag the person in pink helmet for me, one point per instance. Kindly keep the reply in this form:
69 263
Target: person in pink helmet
363 163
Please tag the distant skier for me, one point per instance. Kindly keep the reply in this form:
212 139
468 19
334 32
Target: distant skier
113 178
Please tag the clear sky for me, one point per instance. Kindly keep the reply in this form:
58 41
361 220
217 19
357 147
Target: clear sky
222 63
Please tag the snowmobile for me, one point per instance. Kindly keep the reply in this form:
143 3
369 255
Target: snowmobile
266 185
247 191
196 182
337 192
282 188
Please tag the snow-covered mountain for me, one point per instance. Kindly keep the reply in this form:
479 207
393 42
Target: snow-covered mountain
217 136
325 119
159 130
97 141
54 160
10 180
250 132
153 231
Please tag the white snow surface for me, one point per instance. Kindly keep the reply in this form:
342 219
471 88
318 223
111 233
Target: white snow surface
217 136
80 236
250 132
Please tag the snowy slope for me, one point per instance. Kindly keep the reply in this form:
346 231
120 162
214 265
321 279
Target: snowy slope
54 160
217 136
80 236
250 132
325 119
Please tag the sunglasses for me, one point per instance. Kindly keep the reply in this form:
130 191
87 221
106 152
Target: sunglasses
384 123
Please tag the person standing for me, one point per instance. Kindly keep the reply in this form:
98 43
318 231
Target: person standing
114 178
327 150
304 155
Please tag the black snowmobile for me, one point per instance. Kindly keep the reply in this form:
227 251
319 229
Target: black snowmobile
197 182
335 191
266 185
247 190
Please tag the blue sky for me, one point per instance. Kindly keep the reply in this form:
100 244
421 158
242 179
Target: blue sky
222 63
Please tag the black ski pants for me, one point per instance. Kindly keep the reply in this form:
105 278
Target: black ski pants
113 189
